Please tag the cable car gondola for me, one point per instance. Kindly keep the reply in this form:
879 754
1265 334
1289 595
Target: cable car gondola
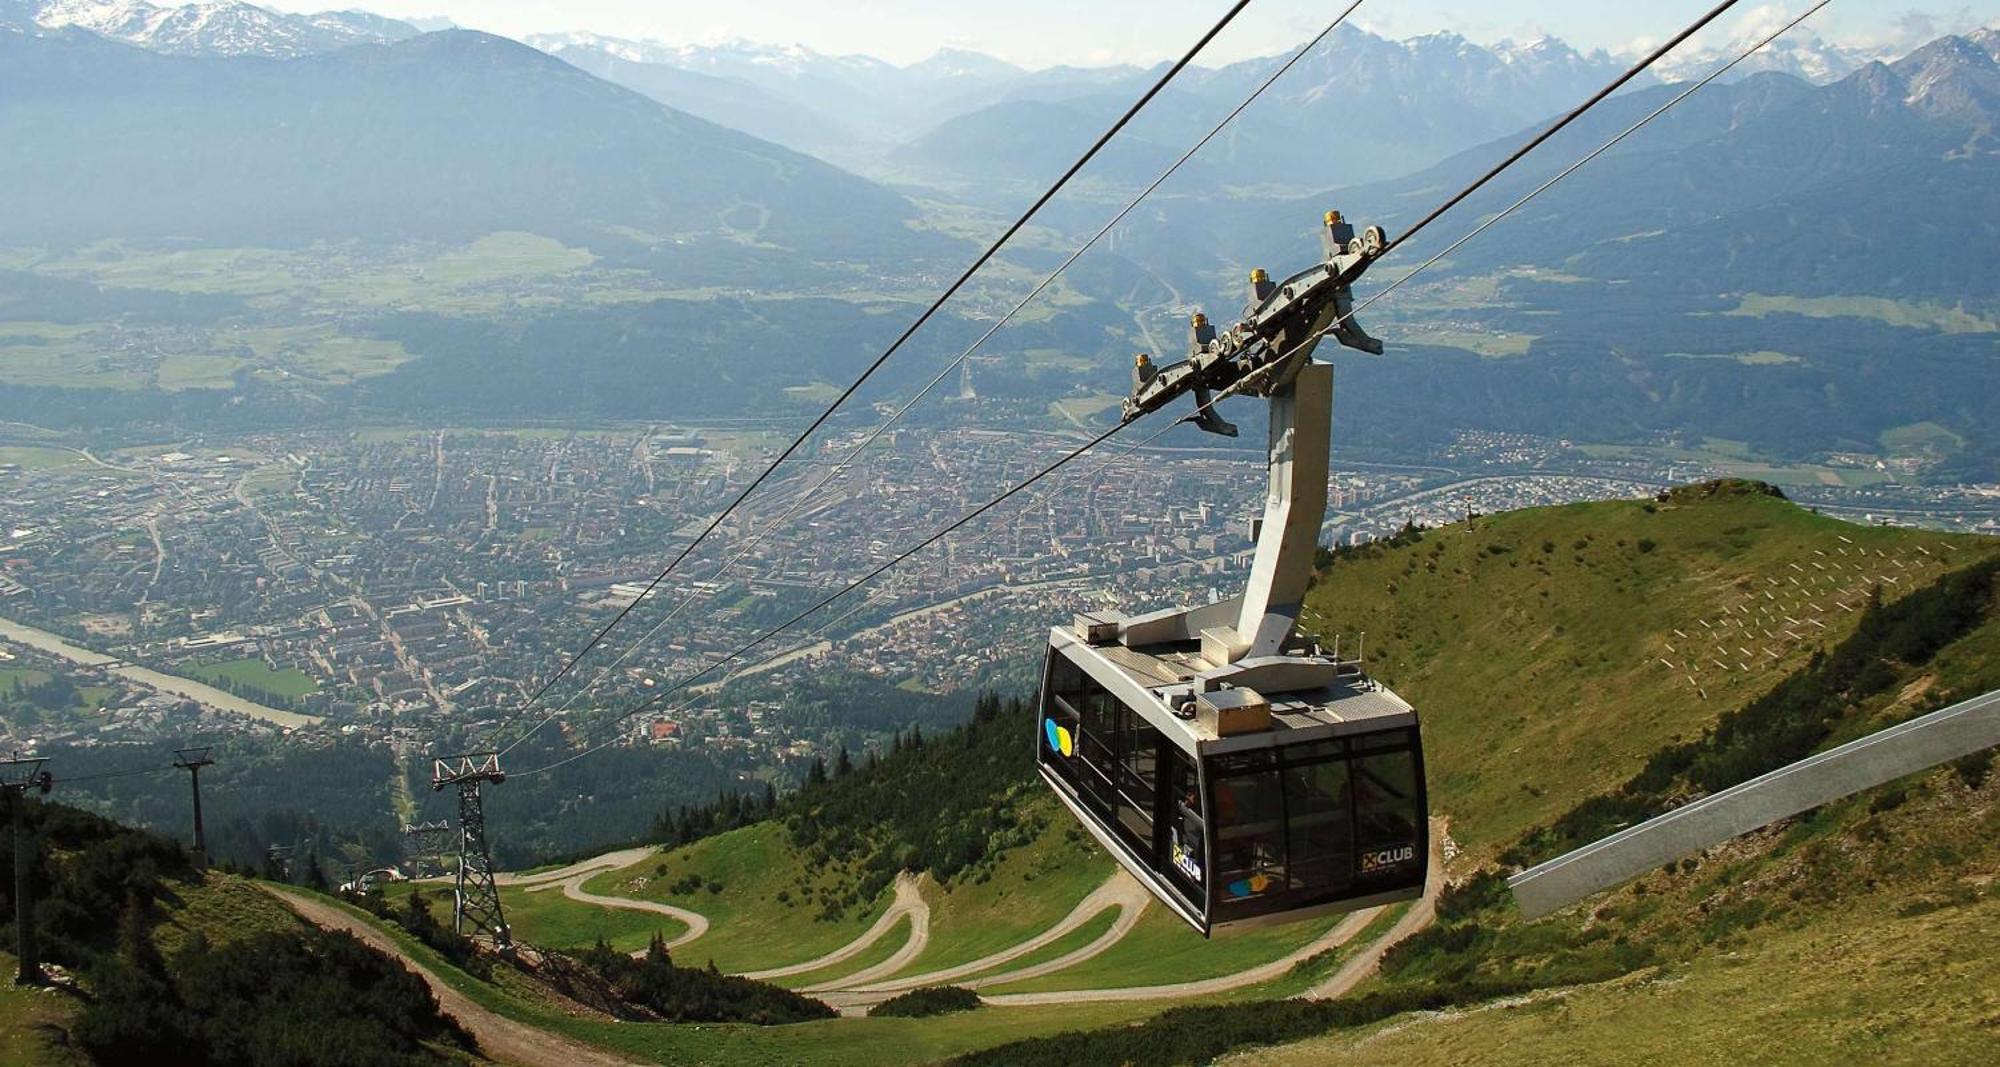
1237 770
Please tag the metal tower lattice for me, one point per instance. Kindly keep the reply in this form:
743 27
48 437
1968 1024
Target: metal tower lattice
427 842
476 899
192 760
19 777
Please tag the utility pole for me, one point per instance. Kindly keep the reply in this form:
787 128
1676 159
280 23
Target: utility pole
192 760
476 899
17 777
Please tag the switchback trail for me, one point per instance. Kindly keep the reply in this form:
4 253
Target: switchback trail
572 887
1119 891
1364 963
610 861
909 901
499 1037
1419 916
855 993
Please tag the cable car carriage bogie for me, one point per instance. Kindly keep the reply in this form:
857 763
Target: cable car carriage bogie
1235 769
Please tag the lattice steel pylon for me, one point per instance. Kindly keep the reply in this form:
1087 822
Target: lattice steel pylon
19 777
427 841
476 899
192 760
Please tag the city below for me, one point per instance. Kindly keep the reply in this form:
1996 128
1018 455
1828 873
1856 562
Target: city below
388 584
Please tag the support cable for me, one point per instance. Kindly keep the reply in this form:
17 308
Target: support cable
1616 84
934 307
101 775
686 681
1511 208
799 501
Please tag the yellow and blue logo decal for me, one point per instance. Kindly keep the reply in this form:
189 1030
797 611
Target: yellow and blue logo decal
1251 886
1059 737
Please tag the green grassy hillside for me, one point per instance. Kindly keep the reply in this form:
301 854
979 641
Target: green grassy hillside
1025 891
154 961
1535 644
1862 931
761 896
33 1023
1574 667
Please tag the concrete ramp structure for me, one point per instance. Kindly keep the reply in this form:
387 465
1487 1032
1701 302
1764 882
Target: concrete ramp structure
1926 741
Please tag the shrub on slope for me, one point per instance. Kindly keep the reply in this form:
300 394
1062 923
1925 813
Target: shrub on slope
247 984
303 997
930 1000
687 994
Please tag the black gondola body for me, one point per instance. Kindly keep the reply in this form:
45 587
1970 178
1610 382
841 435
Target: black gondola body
1322 810
1236 770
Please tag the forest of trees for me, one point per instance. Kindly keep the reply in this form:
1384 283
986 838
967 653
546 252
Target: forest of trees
329 799
940 803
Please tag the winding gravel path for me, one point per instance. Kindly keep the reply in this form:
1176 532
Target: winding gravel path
610 861
854 993
509 1041
1121 891
500 1038
572 887
1419 916
1342 932
909 901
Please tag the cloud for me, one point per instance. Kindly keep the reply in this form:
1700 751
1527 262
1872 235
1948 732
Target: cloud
1760 21
1912 29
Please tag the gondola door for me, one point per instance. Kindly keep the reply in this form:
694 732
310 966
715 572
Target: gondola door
1185 844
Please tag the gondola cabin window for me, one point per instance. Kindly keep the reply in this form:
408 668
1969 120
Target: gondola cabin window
1233 829
1312 821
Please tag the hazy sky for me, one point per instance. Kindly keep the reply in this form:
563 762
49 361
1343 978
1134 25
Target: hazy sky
1045 32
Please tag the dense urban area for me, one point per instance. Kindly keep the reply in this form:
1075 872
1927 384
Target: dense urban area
388 583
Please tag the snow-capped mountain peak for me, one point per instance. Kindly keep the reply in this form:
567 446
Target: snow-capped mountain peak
1802 54
219 27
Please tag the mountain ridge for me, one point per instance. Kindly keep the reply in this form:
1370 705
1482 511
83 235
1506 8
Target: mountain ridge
400 139
224 28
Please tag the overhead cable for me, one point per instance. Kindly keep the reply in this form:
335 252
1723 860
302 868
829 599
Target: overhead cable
103 775
1537 141
950 291
754 643
799 501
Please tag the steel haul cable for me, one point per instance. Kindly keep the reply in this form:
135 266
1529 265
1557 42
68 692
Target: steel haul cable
800 499
1536 142
1517 205
101 775
935 305
1106 435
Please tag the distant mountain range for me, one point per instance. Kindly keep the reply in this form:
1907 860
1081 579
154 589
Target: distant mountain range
226 28
845 108
1885 182
1874 193
962 118
442 136
1647 274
